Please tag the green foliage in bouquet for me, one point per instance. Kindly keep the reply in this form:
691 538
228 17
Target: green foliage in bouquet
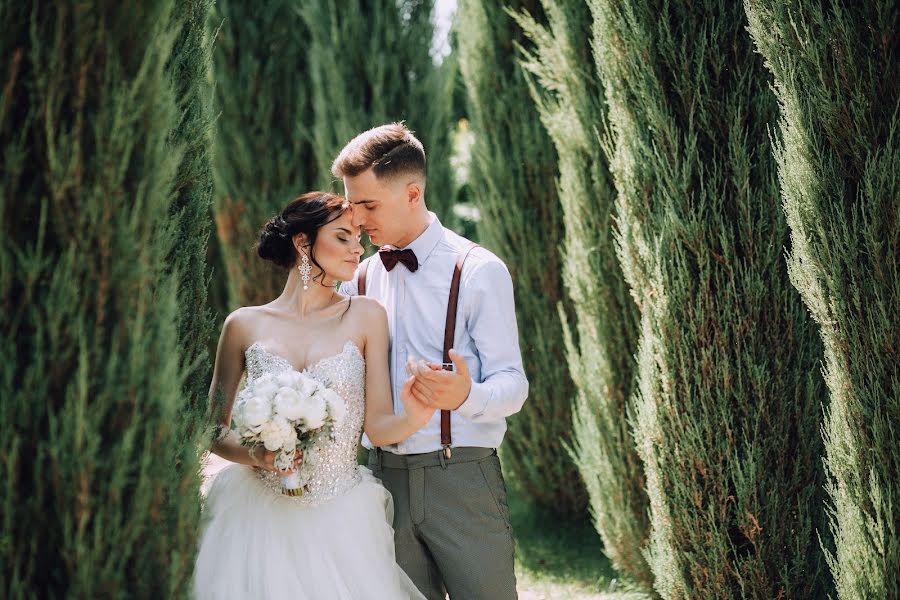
264 155
98 459
513 182
370 64
728 405
837 78
601 345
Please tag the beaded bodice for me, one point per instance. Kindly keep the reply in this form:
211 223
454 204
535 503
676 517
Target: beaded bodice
333 461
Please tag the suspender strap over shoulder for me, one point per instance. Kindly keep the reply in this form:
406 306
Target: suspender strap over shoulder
449 334
361 279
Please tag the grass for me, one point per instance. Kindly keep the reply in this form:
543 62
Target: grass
562 559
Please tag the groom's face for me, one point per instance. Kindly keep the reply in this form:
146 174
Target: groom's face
383 208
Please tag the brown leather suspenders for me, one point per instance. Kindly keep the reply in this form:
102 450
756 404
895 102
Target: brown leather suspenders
449 332
361 280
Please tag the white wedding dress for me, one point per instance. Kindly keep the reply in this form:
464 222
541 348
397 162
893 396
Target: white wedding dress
334 542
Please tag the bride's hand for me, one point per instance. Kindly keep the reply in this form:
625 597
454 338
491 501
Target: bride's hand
267 461
419 412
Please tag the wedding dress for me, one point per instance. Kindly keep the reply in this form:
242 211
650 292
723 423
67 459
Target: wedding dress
334 542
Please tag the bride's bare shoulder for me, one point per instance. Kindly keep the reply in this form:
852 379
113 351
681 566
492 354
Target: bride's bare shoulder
245 316
367 308
368 315
241 322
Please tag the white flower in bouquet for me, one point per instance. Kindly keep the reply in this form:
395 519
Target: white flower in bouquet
302 384
314 411
278 435
337 410
287 412
266 386
256 411
289 403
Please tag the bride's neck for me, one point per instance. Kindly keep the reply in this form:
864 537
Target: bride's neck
303 302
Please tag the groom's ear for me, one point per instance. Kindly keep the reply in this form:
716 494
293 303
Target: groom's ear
414 192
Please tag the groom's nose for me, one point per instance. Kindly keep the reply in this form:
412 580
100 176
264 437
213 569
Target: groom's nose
356 218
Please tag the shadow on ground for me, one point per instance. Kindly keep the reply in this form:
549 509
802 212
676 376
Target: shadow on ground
552 550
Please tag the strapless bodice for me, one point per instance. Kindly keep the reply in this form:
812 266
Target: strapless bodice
333 460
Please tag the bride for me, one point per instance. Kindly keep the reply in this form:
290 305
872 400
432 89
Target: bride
334 541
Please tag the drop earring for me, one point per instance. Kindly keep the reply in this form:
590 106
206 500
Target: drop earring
305 269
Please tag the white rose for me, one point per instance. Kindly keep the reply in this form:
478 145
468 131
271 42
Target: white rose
336 407
309 386
257 411
265 387
288 404
286 378
314 411
275 433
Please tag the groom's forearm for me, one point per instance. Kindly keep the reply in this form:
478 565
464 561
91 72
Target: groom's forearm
499 396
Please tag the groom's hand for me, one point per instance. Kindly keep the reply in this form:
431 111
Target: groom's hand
444 390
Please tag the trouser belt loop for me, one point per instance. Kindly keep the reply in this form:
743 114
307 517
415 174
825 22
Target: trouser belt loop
443 460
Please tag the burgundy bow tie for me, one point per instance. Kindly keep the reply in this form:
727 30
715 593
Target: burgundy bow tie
390 258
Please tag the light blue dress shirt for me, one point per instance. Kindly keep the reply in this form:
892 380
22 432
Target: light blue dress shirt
486 334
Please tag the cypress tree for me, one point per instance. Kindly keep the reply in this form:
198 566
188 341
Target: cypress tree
728 399
369 65
263 134
837 78
600 349
512 181
99 468
189 68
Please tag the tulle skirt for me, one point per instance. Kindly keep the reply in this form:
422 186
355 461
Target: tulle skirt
259 544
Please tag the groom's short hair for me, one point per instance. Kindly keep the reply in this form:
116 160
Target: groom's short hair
389 150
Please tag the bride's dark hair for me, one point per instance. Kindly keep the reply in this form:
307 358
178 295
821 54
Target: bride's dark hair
305 214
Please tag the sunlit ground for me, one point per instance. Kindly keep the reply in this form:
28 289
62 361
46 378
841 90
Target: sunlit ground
559 559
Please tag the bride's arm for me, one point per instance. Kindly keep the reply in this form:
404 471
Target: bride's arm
382 426
227 373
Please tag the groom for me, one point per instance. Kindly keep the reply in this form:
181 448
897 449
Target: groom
451 522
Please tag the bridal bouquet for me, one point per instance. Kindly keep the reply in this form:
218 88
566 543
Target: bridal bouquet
287 412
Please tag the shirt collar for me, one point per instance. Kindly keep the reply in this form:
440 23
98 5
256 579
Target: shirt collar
428 240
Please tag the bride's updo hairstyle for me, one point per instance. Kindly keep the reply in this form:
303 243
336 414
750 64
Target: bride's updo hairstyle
305 214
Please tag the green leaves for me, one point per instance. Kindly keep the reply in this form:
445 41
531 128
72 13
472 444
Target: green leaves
513 183
98 445
837 82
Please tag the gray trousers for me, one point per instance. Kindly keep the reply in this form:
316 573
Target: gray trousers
451 522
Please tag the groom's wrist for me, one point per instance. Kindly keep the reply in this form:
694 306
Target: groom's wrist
475 403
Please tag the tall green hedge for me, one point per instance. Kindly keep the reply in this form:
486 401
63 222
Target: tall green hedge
98 464
264 151
837 78
729 391
370 64
601 345
513 182
189 66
